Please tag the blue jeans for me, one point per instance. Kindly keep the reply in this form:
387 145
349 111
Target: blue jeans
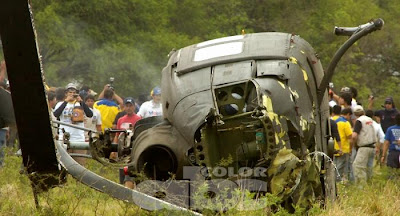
350 167
3 143
342 165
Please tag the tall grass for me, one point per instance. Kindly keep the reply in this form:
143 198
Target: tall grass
379 197
72 198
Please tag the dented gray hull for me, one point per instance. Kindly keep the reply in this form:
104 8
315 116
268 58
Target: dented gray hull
254 100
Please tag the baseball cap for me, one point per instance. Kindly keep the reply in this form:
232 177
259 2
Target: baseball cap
156 91
129 100
358 109
71 86
389 100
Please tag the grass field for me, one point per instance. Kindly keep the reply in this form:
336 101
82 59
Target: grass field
379 197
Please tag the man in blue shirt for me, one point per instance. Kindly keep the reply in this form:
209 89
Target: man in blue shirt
392 142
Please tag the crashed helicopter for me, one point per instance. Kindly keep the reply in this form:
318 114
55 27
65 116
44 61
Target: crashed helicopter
254 101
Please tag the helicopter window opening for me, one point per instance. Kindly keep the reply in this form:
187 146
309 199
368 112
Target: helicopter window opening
237 93
222 96
220 40
219 50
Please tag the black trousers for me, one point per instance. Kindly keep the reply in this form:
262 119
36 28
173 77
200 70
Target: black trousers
393 159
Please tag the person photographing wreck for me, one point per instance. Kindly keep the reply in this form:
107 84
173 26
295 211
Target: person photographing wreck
73 111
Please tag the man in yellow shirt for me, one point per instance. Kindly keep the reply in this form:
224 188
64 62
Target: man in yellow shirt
342 159
107 107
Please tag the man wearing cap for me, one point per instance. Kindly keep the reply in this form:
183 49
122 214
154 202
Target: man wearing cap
387 115
65 111
152 107
128 121
364 137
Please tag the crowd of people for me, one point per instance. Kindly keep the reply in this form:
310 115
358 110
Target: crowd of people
80 107
362 135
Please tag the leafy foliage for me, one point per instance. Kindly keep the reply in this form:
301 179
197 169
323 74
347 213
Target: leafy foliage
90 41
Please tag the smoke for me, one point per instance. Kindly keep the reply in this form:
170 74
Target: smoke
75 50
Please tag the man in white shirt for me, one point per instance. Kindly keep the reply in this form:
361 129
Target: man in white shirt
365 138
65 111
153 107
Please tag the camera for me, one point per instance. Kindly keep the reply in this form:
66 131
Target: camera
331 85
111 83
76 95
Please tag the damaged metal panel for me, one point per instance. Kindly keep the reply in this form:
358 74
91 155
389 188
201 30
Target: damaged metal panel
233 72
281 97
278 68
304 53
191 112
188 84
